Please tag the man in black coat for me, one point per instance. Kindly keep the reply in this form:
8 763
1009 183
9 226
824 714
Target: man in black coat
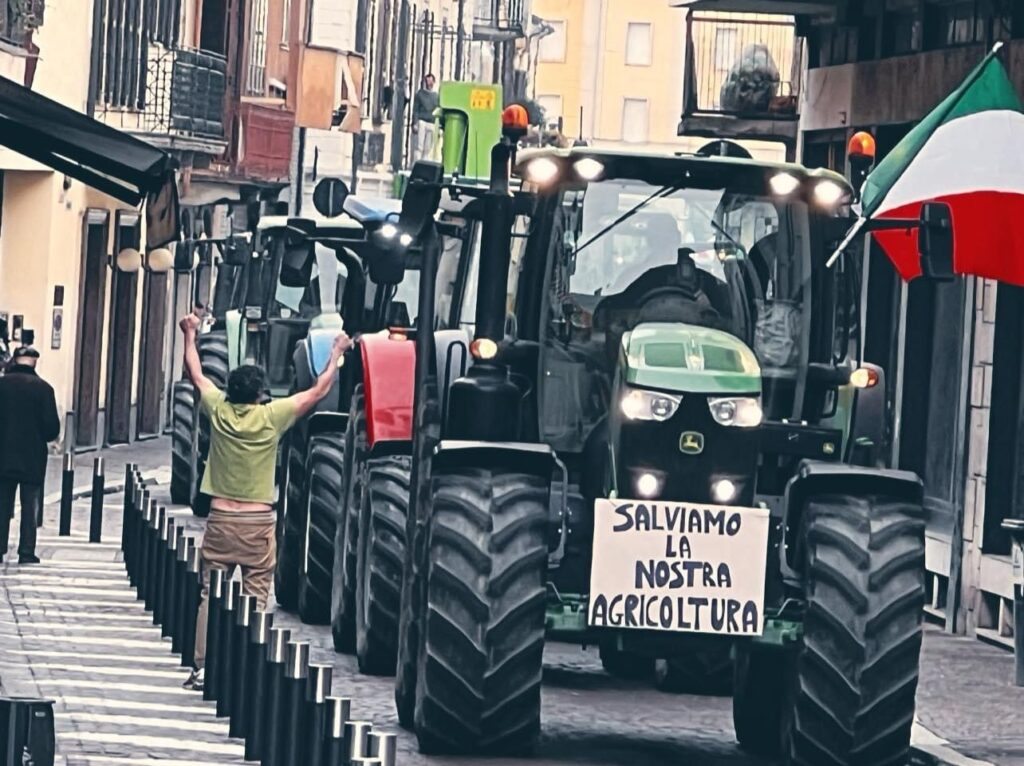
28 421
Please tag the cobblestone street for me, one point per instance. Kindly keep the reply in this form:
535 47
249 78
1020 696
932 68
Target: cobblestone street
72 630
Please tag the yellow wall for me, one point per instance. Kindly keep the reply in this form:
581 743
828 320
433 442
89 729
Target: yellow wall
565 78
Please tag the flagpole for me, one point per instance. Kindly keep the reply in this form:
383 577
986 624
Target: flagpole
853 232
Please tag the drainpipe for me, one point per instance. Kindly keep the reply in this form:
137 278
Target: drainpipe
401 83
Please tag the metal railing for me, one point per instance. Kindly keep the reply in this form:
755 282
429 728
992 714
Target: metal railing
186 94
256 64
501 15
741 65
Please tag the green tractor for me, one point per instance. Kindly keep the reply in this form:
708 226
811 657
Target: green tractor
666 445
265 293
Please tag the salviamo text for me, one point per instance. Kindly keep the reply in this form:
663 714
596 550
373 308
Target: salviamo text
678 567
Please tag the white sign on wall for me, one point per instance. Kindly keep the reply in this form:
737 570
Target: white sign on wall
679 567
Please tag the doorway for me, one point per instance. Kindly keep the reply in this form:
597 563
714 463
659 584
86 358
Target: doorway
121 341
90 328
151 364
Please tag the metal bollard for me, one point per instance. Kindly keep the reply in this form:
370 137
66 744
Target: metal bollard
96 510
190 605
384 746
256 670
180 588
175 581
126 512
239 660
142 544
338 710
365 761
157 527
218 583
318 689
67 489
277 655
229 606
162 584
357 739
293 752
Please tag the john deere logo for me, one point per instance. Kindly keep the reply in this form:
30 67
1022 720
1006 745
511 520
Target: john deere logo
691 443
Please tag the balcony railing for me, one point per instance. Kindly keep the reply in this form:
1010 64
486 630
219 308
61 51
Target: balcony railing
18 17
186 94
741 66
500 18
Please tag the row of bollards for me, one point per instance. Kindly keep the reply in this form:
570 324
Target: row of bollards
67 489
260 679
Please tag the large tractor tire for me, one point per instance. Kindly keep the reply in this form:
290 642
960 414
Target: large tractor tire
379 564
213 357
704 671
346 533
482 641
625 665
857 668
183 425
325 472
291 528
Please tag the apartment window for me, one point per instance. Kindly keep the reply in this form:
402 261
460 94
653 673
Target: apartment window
638 44
900 33
552 106
256 65
839 46
286 19
635 120
552 46
953 23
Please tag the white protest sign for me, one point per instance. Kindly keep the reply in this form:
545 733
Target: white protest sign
678 567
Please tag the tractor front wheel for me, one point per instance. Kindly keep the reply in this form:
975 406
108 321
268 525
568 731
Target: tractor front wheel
482 643
380 561
852 697
346 533
325 472
183 458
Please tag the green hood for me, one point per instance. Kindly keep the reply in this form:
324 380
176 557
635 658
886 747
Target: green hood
688 358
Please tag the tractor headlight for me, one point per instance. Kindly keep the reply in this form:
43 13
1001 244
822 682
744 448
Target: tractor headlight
741 411
649 405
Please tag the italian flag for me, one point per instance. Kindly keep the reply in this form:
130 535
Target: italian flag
968 153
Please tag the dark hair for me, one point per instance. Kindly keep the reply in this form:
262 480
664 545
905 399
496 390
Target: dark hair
246 384
429 76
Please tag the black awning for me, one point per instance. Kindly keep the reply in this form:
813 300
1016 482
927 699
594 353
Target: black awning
70 142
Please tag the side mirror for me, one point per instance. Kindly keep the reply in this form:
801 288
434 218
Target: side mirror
297 265
935 241
235 251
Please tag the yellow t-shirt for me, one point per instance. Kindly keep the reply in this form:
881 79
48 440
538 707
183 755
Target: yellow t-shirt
243 446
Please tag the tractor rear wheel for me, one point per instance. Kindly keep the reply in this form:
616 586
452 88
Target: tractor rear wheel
325 473
482 641
183 425
213 357
380 561
625 665
852 697
343 566
707 671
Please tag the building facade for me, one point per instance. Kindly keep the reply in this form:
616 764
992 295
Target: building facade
616 74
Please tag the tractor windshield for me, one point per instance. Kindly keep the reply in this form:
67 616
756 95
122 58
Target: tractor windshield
628 251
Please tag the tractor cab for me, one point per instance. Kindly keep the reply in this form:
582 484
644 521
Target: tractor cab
682 294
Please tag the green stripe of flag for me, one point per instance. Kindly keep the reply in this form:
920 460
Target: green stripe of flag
986 88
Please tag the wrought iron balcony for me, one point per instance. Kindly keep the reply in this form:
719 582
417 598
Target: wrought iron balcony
186 94
742 75
500 19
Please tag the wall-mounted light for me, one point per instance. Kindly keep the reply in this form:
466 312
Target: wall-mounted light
160 260
129 260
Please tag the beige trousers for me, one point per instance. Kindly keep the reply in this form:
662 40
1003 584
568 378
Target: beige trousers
236 539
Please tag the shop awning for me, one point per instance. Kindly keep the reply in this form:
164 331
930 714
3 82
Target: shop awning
85 149
781 7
